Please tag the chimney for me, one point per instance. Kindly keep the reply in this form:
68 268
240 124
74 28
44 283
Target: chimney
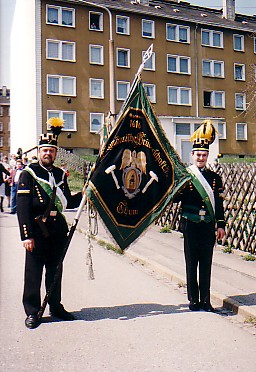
229 9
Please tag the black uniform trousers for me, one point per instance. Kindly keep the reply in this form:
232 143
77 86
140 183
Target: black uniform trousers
199 240
47 253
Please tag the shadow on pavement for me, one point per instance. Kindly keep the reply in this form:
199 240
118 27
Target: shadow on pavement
126 312
248 299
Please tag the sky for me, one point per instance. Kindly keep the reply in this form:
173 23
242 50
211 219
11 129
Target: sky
242 6
7 11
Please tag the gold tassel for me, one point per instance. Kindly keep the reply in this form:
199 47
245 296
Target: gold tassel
89 233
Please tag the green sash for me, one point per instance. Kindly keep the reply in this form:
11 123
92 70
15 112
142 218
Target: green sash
47 188
204 190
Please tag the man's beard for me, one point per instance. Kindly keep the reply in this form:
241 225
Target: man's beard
47 162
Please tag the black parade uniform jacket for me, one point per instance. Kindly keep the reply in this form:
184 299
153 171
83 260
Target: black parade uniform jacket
193 206
34 196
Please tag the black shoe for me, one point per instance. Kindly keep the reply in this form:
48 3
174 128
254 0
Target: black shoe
61 313
12 212
32 321
194 306
207 307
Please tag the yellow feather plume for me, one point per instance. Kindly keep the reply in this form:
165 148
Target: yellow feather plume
205 131
56 124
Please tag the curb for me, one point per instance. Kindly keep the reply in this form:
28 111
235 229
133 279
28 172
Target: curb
219 299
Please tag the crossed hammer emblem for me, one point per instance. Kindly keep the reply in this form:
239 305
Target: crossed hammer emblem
111 170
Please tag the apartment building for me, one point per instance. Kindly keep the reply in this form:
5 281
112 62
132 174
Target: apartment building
202 66
4 121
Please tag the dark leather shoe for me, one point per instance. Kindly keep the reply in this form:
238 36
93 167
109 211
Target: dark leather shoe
32 321
207 307
194 306
61 313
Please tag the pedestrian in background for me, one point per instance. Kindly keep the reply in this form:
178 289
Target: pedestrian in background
15 175
13 161
65 169
3 171
202 213
7 180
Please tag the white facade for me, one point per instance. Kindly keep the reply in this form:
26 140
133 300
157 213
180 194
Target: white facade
180 140
26 123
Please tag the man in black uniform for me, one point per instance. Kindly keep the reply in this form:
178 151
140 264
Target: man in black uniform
202 212
44 241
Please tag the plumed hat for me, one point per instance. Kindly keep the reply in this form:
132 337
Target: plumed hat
204 136
51 139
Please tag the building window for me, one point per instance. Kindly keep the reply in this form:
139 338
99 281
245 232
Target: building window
96 54
241 131
214 99
239 72
57 15
212 38
96 88
60 50
122 90
240 101
182 129
61 85
150 64
1 141
151 92
1 126
238 41
96 122
123 57
95 21
177 33
122 25
213 68
69 118
148 28
179 96
178 64
222 130
1 111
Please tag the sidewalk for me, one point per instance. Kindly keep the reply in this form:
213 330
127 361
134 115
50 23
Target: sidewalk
233 283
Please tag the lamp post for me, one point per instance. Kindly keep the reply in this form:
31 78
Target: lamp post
112 101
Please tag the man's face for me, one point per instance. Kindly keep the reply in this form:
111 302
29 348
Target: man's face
47 155
200 158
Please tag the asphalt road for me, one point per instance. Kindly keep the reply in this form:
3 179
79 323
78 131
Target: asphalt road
128 319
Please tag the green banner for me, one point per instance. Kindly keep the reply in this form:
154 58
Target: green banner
137 173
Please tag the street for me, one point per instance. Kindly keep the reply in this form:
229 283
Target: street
127 319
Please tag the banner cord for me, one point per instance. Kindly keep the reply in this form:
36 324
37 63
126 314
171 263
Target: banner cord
91 231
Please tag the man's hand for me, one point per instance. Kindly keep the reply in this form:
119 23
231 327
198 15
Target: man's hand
29 244
220 233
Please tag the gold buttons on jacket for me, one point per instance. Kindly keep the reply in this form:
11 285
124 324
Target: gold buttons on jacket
39 194
25 230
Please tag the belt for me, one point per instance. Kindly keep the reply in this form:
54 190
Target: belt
53 214
195 210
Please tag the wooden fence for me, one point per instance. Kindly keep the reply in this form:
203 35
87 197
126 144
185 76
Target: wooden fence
239 181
